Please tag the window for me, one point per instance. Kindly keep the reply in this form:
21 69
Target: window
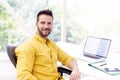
75 18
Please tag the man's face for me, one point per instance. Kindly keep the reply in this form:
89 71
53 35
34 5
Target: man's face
44 25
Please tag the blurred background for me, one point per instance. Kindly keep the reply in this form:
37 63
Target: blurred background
74 20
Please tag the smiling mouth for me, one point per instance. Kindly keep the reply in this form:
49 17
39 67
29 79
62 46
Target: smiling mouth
46 30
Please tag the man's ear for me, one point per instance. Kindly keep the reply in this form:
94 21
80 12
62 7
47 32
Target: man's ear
36 23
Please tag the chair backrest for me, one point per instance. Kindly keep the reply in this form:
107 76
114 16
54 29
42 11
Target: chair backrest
11 53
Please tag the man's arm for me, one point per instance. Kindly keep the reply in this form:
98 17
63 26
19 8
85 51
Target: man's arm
75 75
69 61
25 62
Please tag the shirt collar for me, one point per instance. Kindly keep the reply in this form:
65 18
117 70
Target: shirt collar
41 39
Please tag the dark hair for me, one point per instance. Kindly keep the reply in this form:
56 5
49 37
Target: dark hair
46 12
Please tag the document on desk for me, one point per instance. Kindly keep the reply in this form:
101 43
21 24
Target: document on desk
106 67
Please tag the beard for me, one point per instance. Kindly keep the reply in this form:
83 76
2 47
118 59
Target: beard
44 32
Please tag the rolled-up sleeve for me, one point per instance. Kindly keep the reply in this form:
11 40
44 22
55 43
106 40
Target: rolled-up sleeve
63 57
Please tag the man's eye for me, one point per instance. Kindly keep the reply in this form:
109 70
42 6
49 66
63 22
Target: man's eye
50 23
42 22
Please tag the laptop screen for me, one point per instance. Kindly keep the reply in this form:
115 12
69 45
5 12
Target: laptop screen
97 46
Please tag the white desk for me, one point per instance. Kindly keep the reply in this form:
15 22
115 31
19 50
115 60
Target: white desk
85 69
76 51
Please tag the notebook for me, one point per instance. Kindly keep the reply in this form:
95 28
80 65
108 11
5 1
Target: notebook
106 67
96 47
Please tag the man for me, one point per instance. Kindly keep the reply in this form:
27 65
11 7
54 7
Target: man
37 57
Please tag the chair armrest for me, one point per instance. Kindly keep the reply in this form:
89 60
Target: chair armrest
64 70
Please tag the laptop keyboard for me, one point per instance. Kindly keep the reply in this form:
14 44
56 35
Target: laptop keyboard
94 57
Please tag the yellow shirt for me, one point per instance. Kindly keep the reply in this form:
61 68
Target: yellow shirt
37 59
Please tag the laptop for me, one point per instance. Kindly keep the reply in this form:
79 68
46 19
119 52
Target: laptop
96 47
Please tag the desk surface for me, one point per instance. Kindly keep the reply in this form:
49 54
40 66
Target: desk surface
76 51
85 69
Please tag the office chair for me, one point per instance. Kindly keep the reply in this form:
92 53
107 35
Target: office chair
11 54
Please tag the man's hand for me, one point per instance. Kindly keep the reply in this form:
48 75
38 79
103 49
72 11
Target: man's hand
75 75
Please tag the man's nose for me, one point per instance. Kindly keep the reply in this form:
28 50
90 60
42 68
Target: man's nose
46 26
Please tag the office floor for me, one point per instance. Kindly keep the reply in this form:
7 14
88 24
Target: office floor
7 70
